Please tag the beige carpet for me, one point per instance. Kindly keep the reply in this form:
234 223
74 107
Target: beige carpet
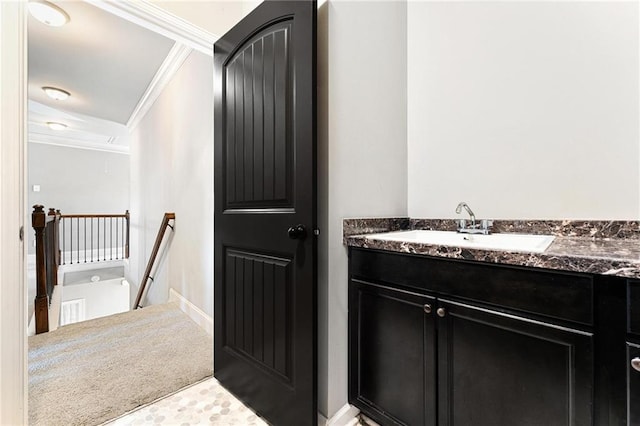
89 372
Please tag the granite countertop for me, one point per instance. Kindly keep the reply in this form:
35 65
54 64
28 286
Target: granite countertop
595 247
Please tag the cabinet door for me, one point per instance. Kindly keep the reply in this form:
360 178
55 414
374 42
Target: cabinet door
633 385
392 354
502 370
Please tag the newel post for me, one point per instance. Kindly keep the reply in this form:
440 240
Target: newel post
41 303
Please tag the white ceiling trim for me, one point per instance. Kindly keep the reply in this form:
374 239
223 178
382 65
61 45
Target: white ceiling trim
174 60
76 143
152 17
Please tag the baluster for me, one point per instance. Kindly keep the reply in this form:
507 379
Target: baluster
64 237
117 227
111 238
71 240
78 240
104 237
122 236
98 238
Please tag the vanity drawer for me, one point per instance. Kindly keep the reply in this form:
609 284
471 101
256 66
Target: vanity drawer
564 296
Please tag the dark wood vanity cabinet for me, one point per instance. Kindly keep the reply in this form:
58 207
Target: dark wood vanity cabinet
428 349
392 354
633 353
496 369
633 384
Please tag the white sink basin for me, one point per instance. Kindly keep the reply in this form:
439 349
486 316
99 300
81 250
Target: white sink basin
508 242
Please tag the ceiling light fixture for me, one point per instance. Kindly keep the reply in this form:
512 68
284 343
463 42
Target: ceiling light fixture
48 13
55 93
56 126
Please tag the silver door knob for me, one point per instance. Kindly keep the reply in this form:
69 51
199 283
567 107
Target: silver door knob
427 308
635 363
441 312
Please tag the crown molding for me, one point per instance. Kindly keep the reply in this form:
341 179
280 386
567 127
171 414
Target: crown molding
172 63
67 142
154 18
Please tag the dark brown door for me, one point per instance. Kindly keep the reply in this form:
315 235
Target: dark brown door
265 212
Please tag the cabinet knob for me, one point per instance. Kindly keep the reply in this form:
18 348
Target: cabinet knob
635 363
427 308
441 312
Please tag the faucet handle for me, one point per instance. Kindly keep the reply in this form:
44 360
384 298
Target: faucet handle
486 224
462 224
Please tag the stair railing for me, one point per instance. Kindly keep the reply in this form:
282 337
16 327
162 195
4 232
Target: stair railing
154 253
87 238
84 237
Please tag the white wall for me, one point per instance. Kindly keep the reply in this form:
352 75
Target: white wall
362 162
77 180
172 171
523 109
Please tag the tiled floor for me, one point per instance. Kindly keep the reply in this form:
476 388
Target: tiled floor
206 403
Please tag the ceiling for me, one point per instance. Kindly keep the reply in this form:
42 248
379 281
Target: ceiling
105 62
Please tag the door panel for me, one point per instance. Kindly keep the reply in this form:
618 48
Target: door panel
258 145
392 354
256 288
265 276
500 370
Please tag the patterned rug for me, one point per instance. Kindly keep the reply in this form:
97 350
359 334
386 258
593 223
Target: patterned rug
89 372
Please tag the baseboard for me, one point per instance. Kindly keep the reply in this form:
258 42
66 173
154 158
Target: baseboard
31 328
54 308
195 313
346 416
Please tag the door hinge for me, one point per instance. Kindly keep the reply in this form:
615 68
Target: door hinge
21 233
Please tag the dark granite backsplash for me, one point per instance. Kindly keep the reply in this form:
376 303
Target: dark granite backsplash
374 225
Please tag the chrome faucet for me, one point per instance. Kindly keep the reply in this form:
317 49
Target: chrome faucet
482 228
468 209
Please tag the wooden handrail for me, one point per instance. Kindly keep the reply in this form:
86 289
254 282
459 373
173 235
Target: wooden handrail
154 253
47 258
75 216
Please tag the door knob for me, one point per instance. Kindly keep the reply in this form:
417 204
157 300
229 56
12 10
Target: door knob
635 363
427 308
297 232
441 312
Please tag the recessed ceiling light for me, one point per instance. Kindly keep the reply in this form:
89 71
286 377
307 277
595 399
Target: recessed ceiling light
48 13
56 126
55 93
